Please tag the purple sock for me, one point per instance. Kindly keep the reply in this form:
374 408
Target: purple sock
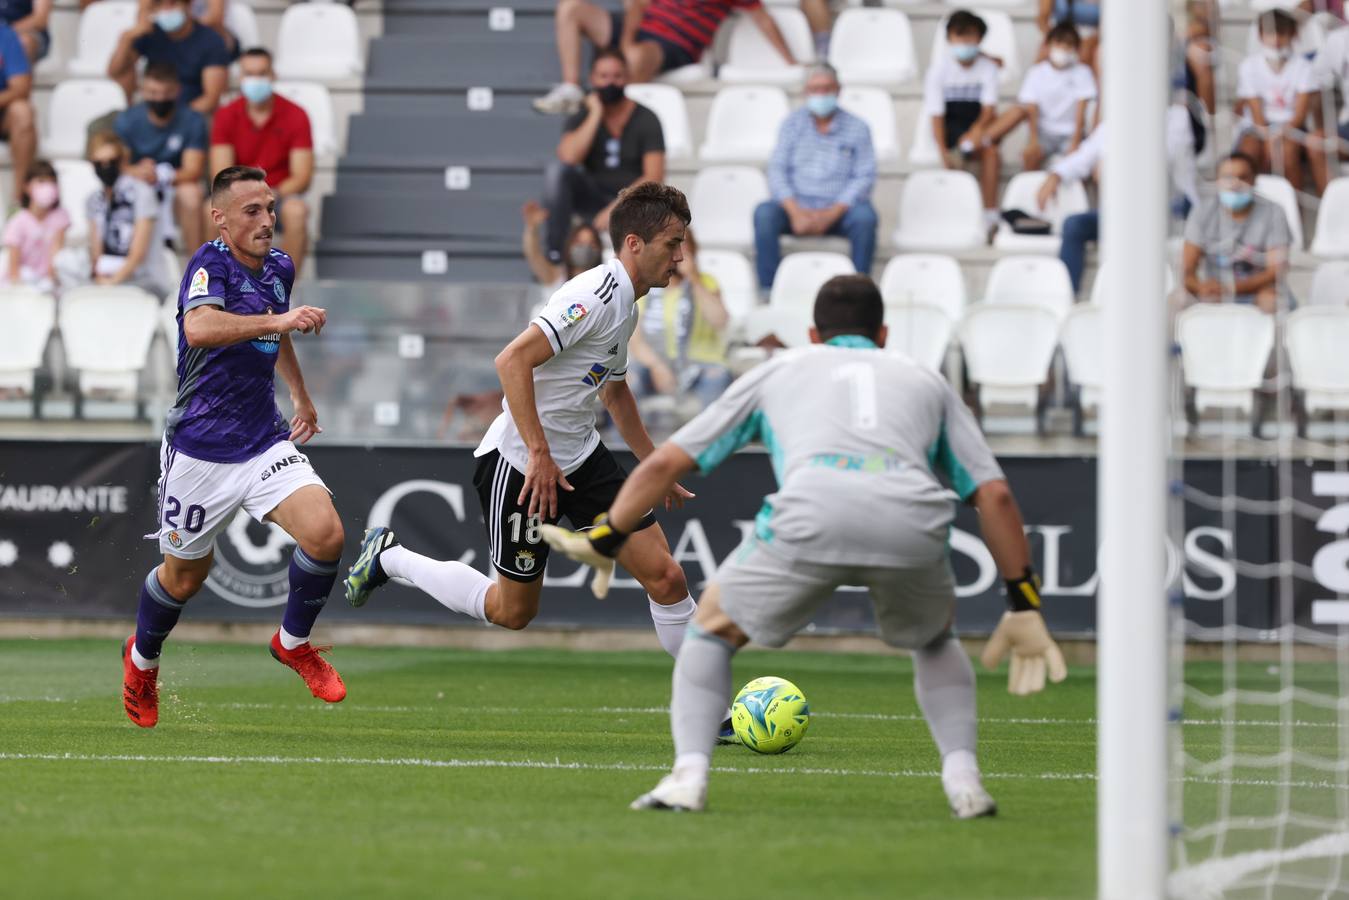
156 617
311 580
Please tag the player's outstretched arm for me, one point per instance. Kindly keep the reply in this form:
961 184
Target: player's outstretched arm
211 326
305 423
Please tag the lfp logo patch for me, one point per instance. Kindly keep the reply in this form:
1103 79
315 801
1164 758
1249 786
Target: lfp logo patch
201 284
575 313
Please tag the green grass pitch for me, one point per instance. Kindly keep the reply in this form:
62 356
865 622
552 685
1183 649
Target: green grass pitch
451 773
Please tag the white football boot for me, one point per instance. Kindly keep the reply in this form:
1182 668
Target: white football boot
675 792
968 798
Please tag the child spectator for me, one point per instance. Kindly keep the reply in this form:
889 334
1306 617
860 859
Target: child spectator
172 36
1274 93
1053 100
1083 15
36 233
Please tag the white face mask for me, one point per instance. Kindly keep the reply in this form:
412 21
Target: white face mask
1061 57
1276 54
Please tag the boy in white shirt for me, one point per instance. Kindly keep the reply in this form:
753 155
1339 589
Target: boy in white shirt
1053 99
1275 88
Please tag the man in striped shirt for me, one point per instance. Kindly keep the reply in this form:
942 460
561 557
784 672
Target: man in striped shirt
655 36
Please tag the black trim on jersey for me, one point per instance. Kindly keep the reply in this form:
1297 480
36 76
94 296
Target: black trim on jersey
606 290
557 337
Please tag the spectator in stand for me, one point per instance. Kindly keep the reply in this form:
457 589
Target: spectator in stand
820 177
36 233
611 144
680 345
1331 140
582 250
960 93
172 36
263 129
124 237
1053 100
29 19
1275 88
654 36
17 125
1083 15
1236 244
210 13
167 143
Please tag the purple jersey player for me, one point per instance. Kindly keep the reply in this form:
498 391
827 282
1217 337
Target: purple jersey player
227 448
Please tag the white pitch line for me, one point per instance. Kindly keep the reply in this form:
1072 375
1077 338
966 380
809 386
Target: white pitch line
1210 879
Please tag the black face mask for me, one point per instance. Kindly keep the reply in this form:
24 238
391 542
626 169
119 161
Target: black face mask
107 172
610 94
161 108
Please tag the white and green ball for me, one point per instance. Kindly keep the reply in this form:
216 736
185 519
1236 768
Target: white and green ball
770 715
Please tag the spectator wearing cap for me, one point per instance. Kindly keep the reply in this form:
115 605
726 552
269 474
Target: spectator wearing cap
171 35
29 19
820 178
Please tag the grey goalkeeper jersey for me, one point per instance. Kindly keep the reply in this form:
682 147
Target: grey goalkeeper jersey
857 437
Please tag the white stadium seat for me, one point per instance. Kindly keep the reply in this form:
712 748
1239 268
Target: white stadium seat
734 275
919 331
940 209
798 279
1224 349
77 182
1316 338
1000 42
106 332
168 324
1332 221
743 124
1031 281
873 46
1330 284
1084 355
242 22
722 201
101 26
1021 193
1276 189
667 102
29 318
74 105
924 152
318 41
1007 377
317 103
925 278
750 59
876 107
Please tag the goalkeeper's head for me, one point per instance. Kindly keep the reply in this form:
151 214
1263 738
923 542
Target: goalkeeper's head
849 305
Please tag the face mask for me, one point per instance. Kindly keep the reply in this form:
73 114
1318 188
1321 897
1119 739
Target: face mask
610 94
43 194
583 256
1276 54
107 172
822 106
161 108
965 52
1061 58
170 19
256 90
1235 200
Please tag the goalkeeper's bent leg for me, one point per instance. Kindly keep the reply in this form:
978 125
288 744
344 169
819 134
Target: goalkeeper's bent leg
702 682
943 681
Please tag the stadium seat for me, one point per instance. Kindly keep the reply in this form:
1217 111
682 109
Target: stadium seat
1315 338
875 107
318 41
924 152
168 324
1084 355
29 318
1224 350
722 201
1005 377
101 26
940 209
735 275
1021 193
1276 189
1031 281
77 181
699 71
1000 42
798 279
924 278
242 22
873 46
667 102
74 105
920 331
1332 221
1330 284
750 59
743 124
317 103
106 332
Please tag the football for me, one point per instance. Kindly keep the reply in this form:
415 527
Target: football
770 715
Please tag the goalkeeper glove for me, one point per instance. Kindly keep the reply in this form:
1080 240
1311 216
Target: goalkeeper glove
1022 631
596 547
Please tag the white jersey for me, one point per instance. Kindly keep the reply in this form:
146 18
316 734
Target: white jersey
588 322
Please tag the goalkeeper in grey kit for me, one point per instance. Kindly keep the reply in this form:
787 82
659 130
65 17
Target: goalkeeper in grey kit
856 437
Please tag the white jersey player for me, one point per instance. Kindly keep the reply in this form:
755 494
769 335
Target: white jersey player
857 437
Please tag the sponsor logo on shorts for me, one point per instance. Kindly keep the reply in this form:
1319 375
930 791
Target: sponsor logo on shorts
201 284
524 561
294 459
573 314
175 539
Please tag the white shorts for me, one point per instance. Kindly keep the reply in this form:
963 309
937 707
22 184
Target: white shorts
771 597
198 499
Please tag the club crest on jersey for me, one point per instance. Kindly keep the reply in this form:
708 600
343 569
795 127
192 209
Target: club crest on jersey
201 284
524 561
595 377
574 313
280 290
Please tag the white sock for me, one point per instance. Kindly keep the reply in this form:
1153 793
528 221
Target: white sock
290 641
141 662
671 622
692 766
455 586
959 766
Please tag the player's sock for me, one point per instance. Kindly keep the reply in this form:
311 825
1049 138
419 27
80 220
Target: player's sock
943 680
311 580
455 586
702 682
155 618
672 622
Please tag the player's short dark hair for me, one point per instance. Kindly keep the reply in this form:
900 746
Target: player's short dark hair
258 51
1064 33
962 21
609 53
228 177
849 304
644 209
1277 21
161 71
1246 160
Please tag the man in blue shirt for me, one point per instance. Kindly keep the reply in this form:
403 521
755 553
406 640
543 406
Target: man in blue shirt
17 125
168 148
820 178
171 35
29 19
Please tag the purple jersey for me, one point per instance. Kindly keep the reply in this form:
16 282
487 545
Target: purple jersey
226 407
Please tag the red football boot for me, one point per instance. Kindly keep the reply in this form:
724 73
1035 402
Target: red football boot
321 679
140 689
